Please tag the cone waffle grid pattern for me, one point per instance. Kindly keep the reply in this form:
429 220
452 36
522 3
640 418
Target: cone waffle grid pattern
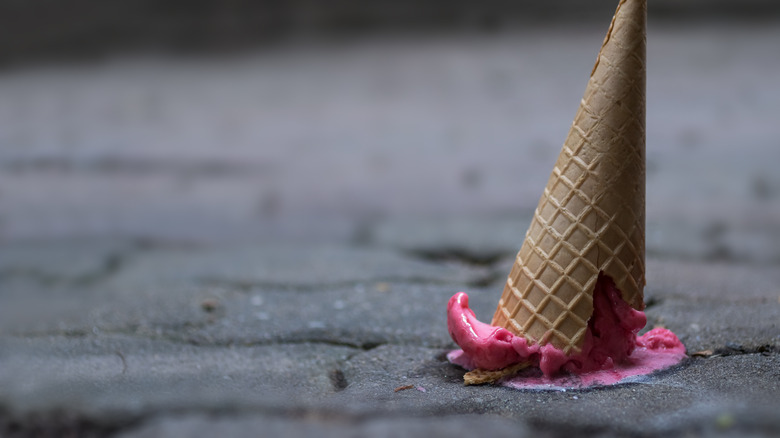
590 218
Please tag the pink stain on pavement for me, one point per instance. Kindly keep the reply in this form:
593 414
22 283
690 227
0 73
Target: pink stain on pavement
611 351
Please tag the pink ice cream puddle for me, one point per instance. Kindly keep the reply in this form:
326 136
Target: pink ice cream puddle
611 351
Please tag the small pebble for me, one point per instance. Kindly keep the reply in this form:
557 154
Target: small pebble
209 304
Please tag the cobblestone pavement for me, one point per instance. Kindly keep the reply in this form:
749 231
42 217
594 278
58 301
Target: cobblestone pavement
265 242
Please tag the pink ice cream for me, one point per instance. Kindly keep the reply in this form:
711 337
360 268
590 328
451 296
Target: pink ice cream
611 350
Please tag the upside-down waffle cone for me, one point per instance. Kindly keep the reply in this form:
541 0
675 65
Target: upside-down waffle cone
591 216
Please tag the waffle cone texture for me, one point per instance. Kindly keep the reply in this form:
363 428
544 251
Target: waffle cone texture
591 217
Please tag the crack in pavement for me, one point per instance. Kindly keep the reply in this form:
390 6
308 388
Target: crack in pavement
656 300
297 338
139 166
109 265
734 349
249 286
458 254
61 423
305 338
718 254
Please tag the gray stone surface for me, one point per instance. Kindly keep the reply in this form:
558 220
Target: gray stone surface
329 140
293 266
333 427
301 359
715 305
61 262
264 243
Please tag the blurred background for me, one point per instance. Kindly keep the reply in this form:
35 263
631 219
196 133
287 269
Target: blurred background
371 121
89 27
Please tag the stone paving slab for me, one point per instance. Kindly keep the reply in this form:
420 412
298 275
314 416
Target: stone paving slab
290 267
125 384
72 261
145 288
217 297
490 236
715 305
304 357
462 425
121 376
320 141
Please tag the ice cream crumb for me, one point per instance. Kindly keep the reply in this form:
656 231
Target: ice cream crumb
403 388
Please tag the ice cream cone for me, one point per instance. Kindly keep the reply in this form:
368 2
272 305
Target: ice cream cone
591 216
